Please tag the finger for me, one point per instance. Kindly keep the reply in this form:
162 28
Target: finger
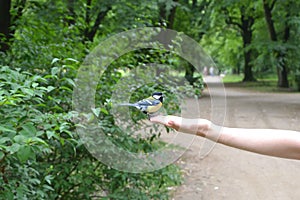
158 119
172 124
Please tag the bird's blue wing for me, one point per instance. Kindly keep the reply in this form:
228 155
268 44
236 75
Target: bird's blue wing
148 102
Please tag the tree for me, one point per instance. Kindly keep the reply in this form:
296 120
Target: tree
9 15
280 55
4 24
192 19
167 12
241 15
87 14
40 157
92 27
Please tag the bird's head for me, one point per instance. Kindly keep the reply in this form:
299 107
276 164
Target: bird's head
158 96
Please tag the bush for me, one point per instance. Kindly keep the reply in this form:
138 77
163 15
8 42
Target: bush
41 156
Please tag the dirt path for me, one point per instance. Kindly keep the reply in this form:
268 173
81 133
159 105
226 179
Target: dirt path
232 174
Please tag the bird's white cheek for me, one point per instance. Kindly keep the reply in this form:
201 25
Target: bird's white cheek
156 96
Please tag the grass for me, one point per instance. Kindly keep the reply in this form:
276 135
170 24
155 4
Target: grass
266 84
232 78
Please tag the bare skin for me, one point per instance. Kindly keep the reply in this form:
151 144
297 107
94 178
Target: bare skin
272 142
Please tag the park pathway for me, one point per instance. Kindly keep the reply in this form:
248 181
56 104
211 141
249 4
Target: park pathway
231 174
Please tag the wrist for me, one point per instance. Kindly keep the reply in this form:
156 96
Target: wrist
204 127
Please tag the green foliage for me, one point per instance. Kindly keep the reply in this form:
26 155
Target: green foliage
225 48
193 18
223 39
43 158
139 74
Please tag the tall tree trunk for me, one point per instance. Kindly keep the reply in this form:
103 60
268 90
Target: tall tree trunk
282 70
196 7
90 32
171 16
162 14
284 73
5 23
189 73
248 75
247 23
280 56
167 16
8 22
269 20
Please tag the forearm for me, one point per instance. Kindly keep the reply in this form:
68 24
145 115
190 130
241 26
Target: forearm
279 143
273 142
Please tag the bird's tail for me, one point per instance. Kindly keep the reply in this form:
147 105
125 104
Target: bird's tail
127 104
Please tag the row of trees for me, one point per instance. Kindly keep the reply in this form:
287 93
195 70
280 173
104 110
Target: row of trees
268 30
252 37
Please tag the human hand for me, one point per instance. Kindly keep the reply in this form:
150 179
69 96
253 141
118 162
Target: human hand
191 126
169 121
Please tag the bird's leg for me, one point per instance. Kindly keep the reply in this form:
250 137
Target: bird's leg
152 115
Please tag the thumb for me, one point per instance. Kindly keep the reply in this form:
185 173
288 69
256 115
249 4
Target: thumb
170 121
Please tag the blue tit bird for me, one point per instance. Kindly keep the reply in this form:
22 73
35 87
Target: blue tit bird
149 105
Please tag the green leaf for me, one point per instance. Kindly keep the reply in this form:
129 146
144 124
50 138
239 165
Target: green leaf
28 91
104 111
4 129
20 139
48 187
50 134
4 139
1 155
13 148
96 111
8 195
37 140
24 153
29 129
54 71
34 85
48 179
65 88
49 76
73 60
71 82
55 60
50 88
18 95
62 141
34 181
20 191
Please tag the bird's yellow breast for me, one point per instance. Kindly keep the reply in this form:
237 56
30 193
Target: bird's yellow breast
153 109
